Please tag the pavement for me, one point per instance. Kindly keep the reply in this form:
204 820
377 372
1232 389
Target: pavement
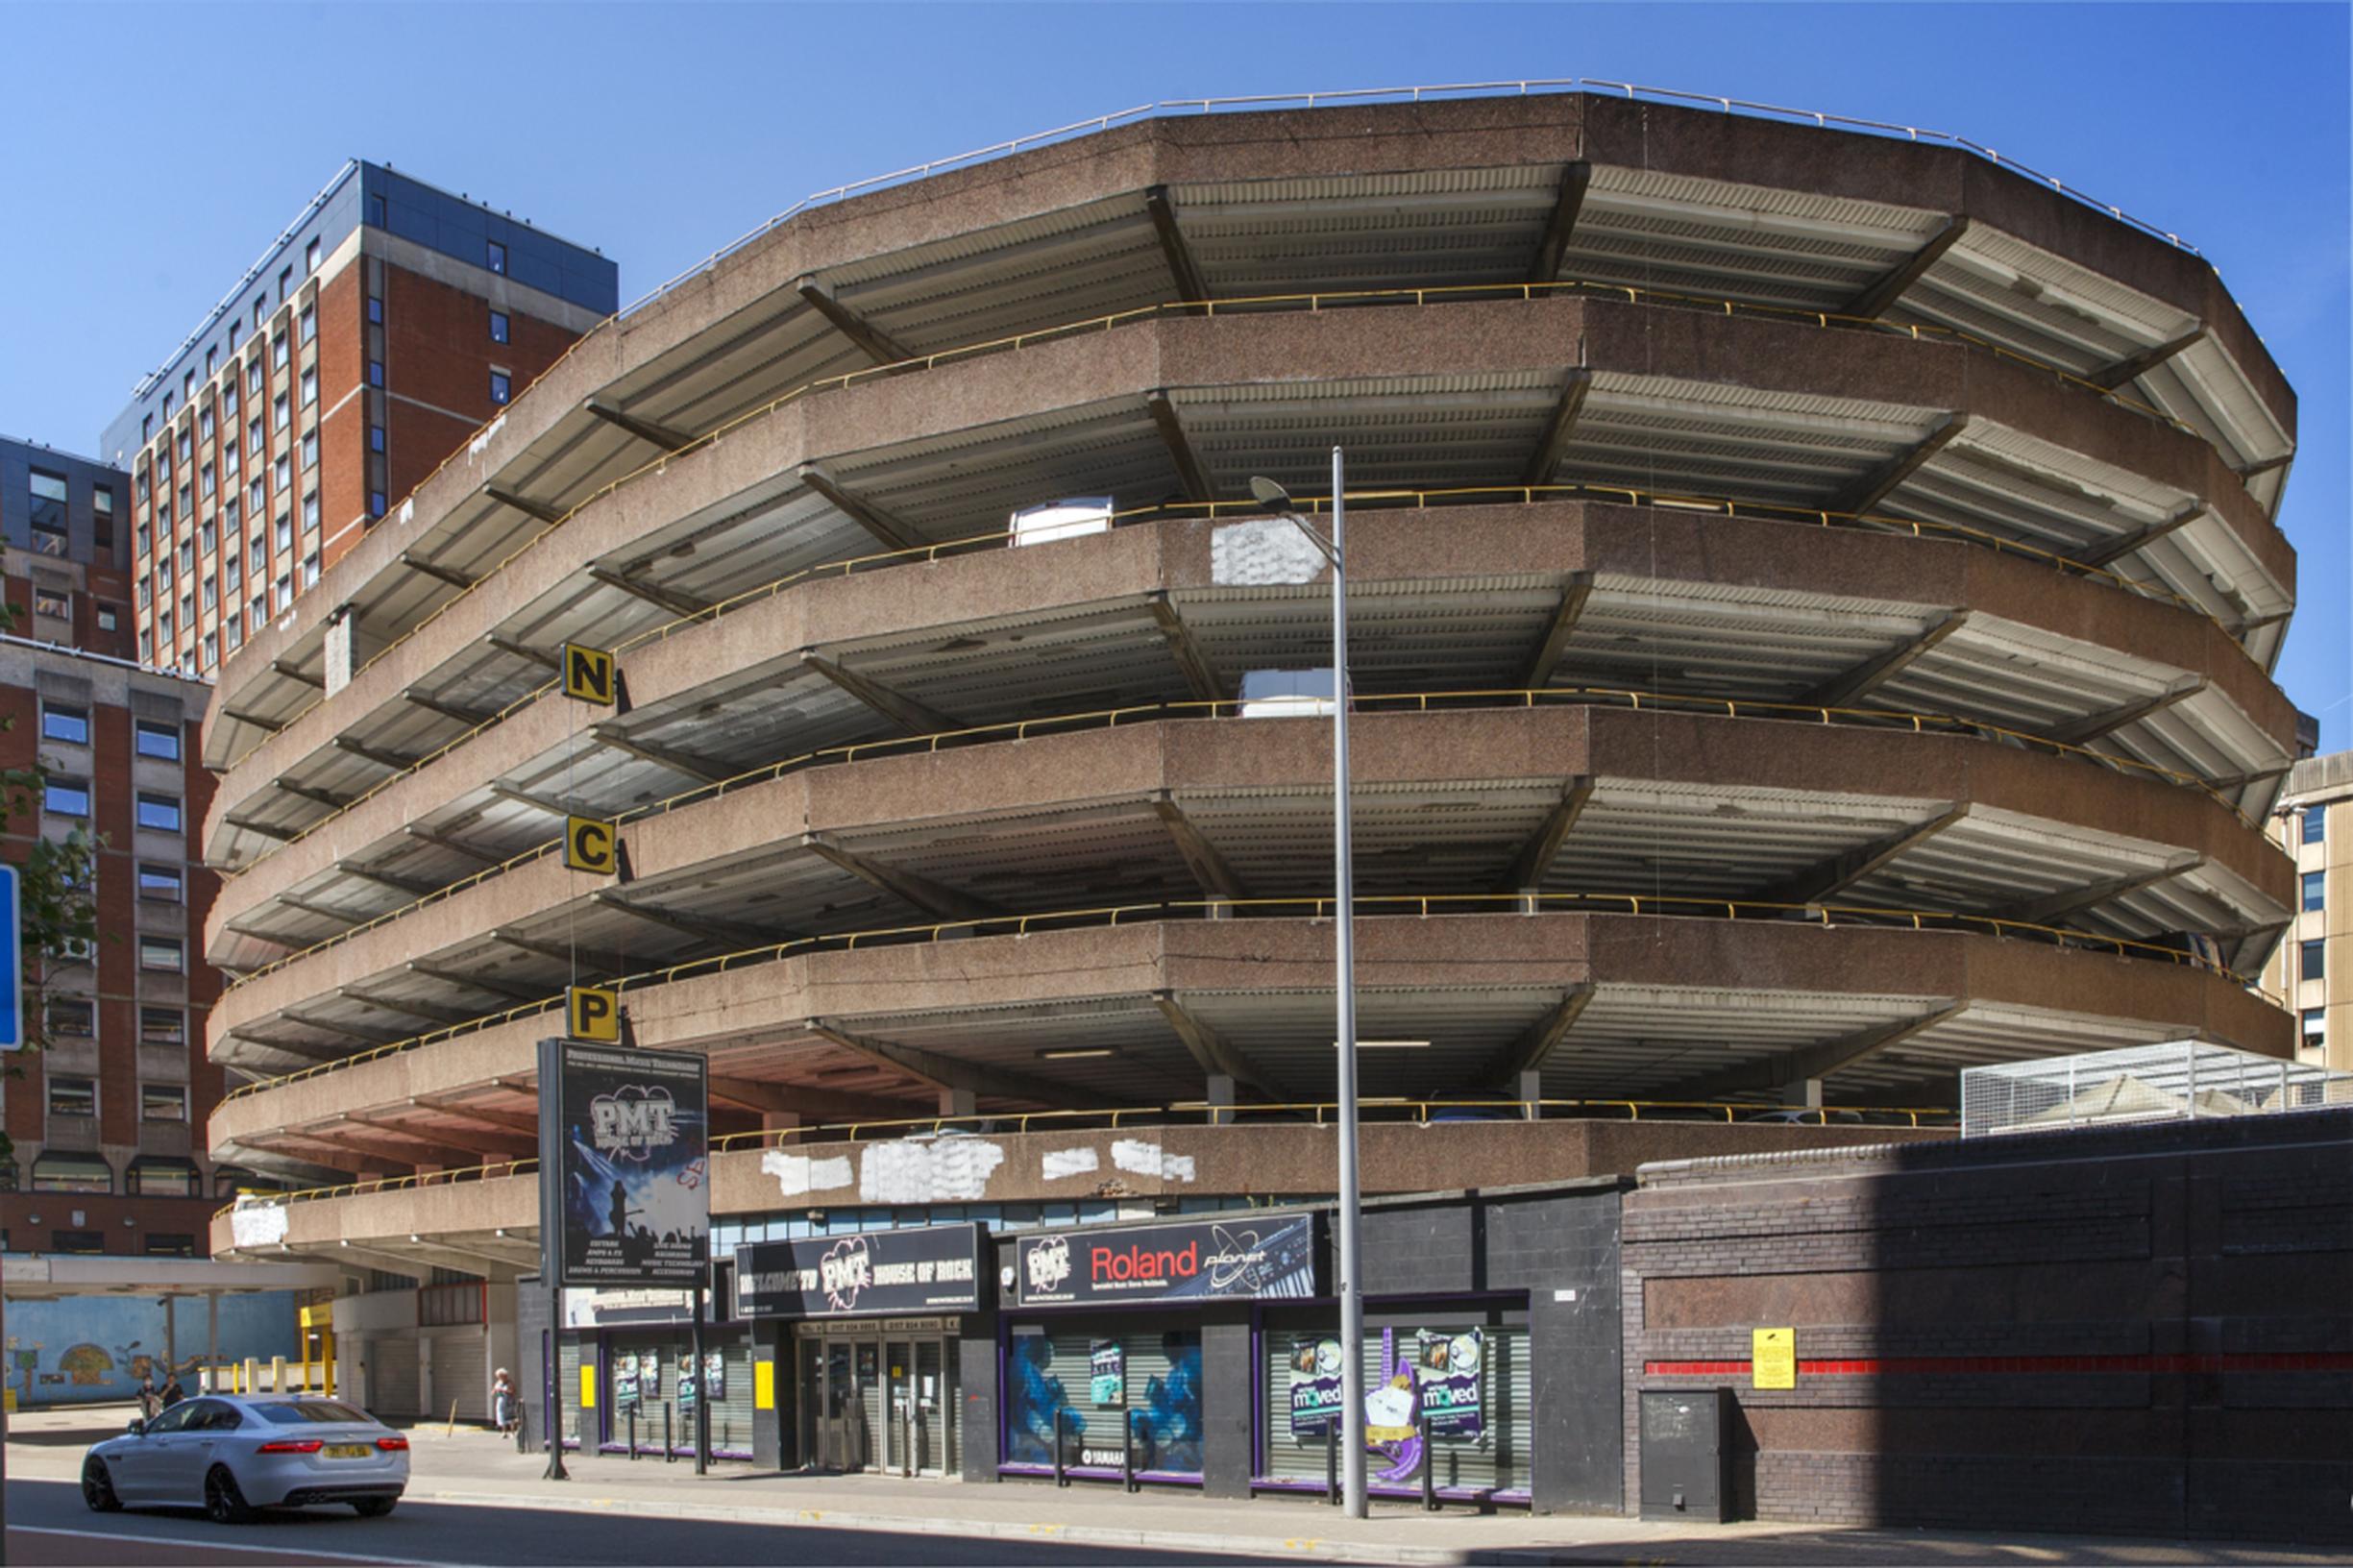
614 1510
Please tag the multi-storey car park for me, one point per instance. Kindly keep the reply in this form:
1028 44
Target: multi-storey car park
1813 598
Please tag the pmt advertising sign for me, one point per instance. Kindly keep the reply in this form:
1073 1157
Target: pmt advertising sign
1232 1257
626 1136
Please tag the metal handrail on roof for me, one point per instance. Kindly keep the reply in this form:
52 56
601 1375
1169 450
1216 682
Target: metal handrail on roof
1020 729
1422 906
854 1132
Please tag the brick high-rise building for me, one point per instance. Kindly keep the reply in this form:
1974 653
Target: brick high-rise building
104 1119
373 338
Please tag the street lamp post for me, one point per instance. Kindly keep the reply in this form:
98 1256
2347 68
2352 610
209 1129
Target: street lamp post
1351 1286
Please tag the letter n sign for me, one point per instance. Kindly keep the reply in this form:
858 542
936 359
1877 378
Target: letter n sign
588 674
590 844
592 1012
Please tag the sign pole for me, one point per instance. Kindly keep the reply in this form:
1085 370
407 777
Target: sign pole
552 1243
702 1393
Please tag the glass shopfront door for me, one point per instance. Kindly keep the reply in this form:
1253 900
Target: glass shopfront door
881 1400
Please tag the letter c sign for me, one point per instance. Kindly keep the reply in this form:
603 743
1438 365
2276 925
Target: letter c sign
590 844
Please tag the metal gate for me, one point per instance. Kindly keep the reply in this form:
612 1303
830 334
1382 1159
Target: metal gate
460 1376
392 1377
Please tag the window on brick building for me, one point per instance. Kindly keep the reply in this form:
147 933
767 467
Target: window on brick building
2314 889
160 812
2312 959
285 282
60 723
164 1102
50 603
73 1096
2316 823
375 503
78 1243
307 325
165 955
375 438
277 351
159 884
72 1172
48 515
162 1026
498 258
2315 1028
310 569
155 740
156 1176
169 1244
500 387
75 1015
203 425
65 798
375 311
310 449
253 435
311 387
497 326
262 309
254 372
102 516
375 372
311 258
109 617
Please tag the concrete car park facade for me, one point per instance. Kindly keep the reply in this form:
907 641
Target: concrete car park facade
1813 599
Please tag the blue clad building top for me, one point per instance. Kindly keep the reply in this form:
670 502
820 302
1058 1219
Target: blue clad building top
371 195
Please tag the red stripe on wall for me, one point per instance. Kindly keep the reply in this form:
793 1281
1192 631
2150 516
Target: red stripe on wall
1871 1366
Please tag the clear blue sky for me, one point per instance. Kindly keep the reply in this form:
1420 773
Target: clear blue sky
152 151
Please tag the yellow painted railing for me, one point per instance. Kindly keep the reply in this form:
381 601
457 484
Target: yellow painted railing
1376 907
1197 709
1254 305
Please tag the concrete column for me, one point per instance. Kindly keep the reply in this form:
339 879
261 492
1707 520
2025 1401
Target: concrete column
171 1335
958 1102
1527 1091
425 1375
1806 1092
1220 1097
780 1122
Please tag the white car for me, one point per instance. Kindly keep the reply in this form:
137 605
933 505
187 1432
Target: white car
233 1453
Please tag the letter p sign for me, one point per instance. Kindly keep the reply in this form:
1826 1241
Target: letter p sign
592 1012
588 674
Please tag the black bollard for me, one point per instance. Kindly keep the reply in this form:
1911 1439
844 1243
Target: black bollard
1331 1460
1062 1477
1430 1467
669 1450
632 1434
1127 1452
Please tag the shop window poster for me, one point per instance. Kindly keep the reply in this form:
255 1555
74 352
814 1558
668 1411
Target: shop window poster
1105 1373
1167 1418
1442 1377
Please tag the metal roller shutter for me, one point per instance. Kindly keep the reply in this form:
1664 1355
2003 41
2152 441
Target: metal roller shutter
462 1375
1162 1383
731 1412
568 1369
1496 1459
392 1377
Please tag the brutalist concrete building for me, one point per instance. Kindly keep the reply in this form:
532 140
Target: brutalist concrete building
1813 599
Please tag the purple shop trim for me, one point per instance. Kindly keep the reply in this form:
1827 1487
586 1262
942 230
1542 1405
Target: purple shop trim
1451 1494
1258 1389
1097 1472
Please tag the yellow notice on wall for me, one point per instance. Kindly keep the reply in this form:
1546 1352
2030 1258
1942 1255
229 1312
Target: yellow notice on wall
764 1385
588 1387
1773 1358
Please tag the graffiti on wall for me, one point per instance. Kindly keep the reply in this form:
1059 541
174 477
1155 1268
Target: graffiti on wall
89 1349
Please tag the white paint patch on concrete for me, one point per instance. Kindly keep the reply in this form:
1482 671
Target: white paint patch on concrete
489 433
798 1175
1061 1163
948 1171
1262 551
1134 1153
258 1224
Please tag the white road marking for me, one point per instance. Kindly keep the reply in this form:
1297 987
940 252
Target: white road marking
218 1544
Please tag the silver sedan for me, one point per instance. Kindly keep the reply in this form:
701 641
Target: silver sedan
233 1453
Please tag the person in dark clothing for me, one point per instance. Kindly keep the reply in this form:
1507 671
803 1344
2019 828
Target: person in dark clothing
172 1393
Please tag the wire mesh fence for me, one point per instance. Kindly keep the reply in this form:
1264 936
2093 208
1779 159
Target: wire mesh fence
2175 1080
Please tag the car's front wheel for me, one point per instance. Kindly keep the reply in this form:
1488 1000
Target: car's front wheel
374 1507
98 1487
224 1503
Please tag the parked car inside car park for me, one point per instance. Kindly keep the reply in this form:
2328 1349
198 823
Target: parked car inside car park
231 1455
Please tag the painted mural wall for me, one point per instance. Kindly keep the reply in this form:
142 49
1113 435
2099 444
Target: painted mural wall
91 1349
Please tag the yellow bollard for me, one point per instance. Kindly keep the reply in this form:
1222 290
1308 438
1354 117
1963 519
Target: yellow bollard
278 1374
253 1374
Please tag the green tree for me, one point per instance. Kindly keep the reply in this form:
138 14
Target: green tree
57 882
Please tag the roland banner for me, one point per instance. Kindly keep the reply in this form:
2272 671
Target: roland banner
626 1136
1233 1257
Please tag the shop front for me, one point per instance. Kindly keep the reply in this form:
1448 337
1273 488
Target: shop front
876 1323
632 1383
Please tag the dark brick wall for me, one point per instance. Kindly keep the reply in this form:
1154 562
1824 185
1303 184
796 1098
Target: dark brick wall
2144 1330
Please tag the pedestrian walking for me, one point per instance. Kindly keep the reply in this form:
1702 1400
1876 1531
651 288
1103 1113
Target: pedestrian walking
172 1393
150 1404
504 1406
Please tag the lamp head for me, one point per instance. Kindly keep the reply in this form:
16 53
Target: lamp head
1269 493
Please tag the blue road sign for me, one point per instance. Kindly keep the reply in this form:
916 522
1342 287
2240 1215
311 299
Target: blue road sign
12 965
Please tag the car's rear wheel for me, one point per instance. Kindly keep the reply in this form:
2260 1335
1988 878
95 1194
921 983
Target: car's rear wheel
374 1507
98 1487
224 1503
